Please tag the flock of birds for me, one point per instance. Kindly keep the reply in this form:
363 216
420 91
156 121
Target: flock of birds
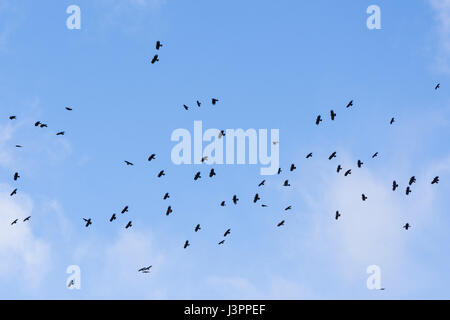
212 173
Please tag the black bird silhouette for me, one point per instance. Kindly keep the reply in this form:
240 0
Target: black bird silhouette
222 134
227 232
113 217
14 222
129 225
12 117
407 226
339 168
204 159
235 199
264 205
214 101
212 173
288 208
412 180
199 103
337 215
392 121
14 192
363 196
169 210
437 86
256 198
18 146
161 173
222 204
88 222
124 210
286 184
186 244
309 155
348 172
394 185
360 163
145 269
128 163
16 176
408 190
158 45
333 115
155 59
350 104
69 109
262 183
281 224
197 228
318 120
221 242
333 155
279 170
166 196
61 133
197 176
43 125
435 180
152 157
37 124
27 219
375 155
293 167
185 107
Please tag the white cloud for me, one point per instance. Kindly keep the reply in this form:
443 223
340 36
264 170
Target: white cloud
442 9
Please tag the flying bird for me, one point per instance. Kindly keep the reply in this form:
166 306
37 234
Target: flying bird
435 180
12 117
212 173
339 168
145 269
394 185
279 170
392 121
286 184
364 197
318 120
166 196
113 217
262 183
235 199
161 173
43 125
27 219
333 155
158 45
37 124
348 172
14 222
128 163
152 157
197 176
437 86
350 104
412 180
169 210
124 210
227 232
360 163
288 208
16 176
18 146
407 226
88 222
309 155
281 224
408 190
155 59
61 133
375 155
333 115
221 242
199 103
222 204
256 198
14 192
197 228
205 158
129 225
69 109
214 101
293 167
221 134
186 244
337 215
185 107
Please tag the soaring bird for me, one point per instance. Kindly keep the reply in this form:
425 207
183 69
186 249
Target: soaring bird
256 198
262 183
185 107
333 155
27 219
124 210
288 208
412 180
339 168
407 226
144 269
169 210
18 146
155 59
227 232
281 224
375 155
71 283
152 157
16 176
437 86
158 45
235 199
113 217
435 180
337 215
333 115
14 192
264 205
222 204
293 167
286 184
166 196
37 124
161 173
69 109
197 176
199 103
408 190
364 197
43 125
394 185
309 155
186 244
205 158
129 225
392 121
88 222
214 101
12 117
197 228
221 242
14 222
318 119
279 170
348 172
222 134
360 163
212 173
128 163
350 104
61 133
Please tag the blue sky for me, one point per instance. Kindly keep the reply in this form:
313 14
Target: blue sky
273 65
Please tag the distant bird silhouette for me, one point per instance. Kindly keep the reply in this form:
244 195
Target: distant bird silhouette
348 172
27 219
205 158
288 208
125 209
145 269
128 163
227 232
212 173
43 125
214 101
221 133
309 155
14 222
375 155
113 217
280 224
412 180
408 190
152 157
16 176
262 183
129 225
364 197
235 199
318 120
166 196
350 104
161 173
286 183
158 45
337 215
392 121
88 222
437 86
18 146
221 242
435 180
61 133
394 185
14 192
199 103
37 124
293 167
407 226
264 205
169 210
333 115
256 198
71 283
69 109
360 163
222 204
197 228
185 107
333 155
155 59
197 176
186 244
12 117
339 169
279 170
